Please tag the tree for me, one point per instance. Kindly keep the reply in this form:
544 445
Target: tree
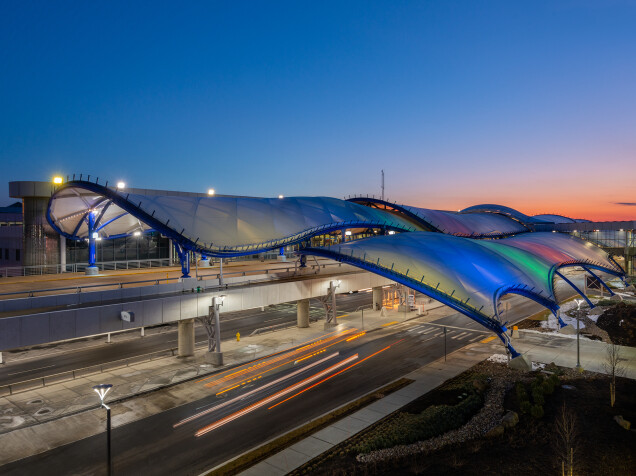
613 367
566 433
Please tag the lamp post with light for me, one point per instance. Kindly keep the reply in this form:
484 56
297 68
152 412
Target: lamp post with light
102 389
578 350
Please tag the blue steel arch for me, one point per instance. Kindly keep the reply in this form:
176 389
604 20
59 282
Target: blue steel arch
475 314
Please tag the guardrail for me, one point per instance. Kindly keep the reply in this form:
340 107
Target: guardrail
17 271
201 277
40 382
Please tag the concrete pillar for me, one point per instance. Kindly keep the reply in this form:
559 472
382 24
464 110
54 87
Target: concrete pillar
143 331
185 338
378 294
62 254
302 312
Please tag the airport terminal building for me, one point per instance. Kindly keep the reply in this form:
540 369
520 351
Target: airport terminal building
30 245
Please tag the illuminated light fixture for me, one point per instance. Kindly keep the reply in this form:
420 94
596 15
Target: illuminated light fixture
121 184
620 229
392 232
280 196
348 232
99 238
573 231
95 235
211 191
57 180
102 389
137 233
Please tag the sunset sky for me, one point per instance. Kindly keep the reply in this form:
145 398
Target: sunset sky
528 104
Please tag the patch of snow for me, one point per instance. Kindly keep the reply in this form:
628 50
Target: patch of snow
537 366
498 358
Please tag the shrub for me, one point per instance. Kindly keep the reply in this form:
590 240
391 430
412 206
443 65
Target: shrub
537 396
536 411
547 387
522 395
525 406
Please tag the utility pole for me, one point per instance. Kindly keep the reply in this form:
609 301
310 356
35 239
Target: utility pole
382 184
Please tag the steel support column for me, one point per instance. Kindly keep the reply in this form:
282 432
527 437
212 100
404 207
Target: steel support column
599 280
184 258
575 288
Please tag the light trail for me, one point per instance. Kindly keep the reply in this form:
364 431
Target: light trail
355 336
265 401
241 397
292 359
331 376
260 361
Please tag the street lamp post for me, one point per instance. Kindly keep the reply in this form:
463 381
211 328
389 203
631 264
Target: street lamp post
444 343
578 348
101 390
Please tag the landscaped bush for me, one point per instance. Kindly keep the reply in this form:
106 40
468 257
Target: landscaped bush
536 411
537 396
407 428
525 406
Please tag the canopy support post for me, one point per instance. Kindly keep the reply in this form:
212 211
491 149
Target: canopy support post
184 258
599 280
589 303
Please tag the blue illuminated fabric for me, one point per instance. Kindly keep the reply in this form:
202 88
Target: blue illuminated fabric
474 273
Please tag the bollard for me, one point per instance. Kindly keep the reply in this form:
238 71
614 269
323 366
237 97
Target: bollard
515 332
238 337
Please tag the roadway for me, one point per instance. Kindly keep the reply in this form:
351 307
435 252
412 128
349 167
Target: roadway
244 322
155 446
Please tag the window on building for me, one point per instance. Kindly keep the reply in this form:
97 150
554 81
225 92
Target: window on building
17 255
6 254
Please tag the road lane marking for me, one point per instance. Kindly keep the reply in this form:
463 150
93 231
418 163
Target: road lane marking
488 339
389 323
32 370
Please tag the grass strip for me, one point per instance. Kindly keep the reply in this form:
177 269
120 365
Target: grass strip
265 451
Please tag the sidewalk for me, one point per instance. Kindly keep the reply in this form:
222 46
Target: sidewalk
541 347
41 419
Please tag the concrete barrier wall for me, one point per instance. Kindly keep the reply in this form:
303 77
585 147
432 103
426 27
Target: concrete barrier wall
53 326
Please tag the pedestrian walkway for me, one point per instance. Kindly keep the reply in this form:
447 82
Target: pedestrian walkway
44 418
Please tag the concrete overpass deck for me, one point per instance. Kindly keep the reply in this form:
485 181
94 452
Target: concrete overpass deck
51 284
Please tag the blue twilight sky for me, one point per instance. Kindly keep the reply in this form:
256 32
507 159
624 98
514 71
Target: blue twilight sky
527 103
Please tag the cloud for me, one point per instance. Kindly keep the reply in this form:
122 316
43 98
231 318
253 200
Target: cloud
629 204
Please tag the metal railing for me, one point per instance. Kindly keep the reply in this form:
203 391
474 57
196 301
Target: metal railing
201 277
39 382
18 271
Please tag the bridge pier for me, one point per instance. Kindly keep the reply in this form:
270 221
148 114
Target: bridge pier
378 294
302 313
185 338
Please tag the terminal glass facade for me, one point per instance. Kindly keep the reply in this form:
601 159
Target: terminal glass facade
148 246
